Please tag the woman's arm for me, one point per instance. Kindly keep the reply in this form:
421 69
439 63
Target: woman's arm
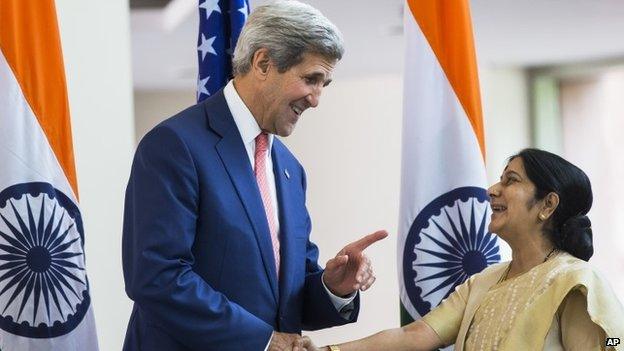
416 336
578 331
437 328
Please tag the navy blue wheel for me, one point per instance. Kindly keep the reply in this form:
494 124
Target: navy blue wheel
447 242
43 282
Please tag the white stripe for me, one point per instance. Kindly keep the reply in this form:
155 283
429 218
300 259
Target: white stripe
440 150
24 148
83 338
26 156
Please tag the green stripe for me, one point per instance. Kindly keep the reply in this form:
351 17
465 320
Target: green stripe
405 316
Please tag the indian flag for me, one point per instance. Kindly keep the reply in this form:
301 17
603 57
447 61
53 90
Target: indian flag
443 236
44 290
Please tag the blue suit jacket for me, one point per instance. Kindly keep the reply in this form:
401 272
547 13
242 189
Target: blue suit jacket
197 254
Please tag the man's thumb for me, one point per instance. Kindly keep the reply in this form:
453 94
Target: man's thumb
337 262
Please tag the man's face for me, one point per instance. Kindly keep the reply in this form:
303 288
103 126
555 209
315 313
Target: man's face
286 95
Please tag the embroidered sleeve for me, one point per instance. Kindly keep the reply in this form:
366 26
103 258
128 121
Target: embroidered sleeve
578 331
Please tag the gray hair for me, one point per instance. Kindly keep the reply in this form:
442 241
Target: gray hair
288 30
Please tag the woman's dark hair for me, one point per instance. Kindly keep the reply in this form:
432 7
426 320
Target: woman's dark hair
569 228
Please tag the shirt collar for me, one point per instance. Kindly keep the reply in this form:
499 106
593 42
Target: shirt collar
245 121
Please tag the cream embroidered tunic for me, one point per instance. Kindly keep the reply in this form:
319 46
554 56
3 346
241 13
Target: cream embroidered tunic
558 305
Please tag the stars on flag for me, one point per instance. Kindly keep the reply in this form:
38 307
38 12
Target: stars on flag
201 87
206 46
220 24
210 6
244 10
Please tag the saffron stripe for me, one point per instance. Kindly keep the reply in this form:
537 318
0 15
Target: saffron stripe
448 29
30 42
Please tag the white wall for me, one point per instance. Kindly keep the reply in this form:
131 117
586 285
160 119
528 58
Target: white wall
506 116
95 39
593 125
351 149
153 106
350 146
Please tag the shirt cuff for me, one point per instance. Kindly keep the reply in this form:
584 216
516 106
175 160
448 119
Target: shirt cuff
268 343
344 305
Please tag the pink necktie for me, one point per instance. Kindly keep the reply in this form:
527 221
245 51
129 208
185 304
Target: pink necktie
262 145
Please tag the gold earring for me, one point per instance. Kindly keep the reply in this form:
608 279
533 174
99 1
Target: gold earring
542 217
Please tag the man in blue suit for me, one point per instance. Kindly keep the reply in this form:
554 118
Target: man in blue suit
216 249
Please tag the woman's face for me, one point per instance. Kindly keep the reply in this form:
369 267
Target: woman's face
512 199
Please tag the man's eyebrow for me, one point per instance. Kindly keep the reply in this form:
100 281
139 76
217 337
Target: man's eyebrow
319 75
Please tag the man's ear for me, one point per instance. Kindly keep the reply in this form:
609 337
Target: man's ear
261 63
550 203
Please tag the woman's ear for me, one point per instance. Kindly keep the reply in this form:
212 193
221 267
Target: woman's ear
550 203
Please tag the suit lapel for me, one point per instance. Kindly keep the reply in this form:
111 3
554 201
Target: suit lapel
234 156
284 198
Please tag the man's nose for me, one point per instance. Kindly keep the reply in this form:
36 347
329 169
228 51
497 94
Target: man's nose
314 97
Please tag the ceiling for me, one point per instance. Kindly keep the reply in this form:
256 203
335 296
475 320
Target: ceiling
147 4
507 33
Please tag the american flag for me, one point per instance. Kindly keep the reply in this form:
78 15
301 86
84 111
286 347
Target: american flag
220 23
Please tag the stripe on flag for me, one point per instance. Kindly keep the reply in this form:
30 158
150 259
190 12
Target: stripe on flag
44 291
220 24
444 212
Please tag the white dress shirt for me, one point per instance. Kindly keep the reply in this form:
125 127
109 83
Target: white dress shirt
249 130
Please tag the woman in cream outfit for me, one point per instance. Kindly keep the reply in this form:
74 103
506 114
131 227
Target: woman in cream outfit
546 298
